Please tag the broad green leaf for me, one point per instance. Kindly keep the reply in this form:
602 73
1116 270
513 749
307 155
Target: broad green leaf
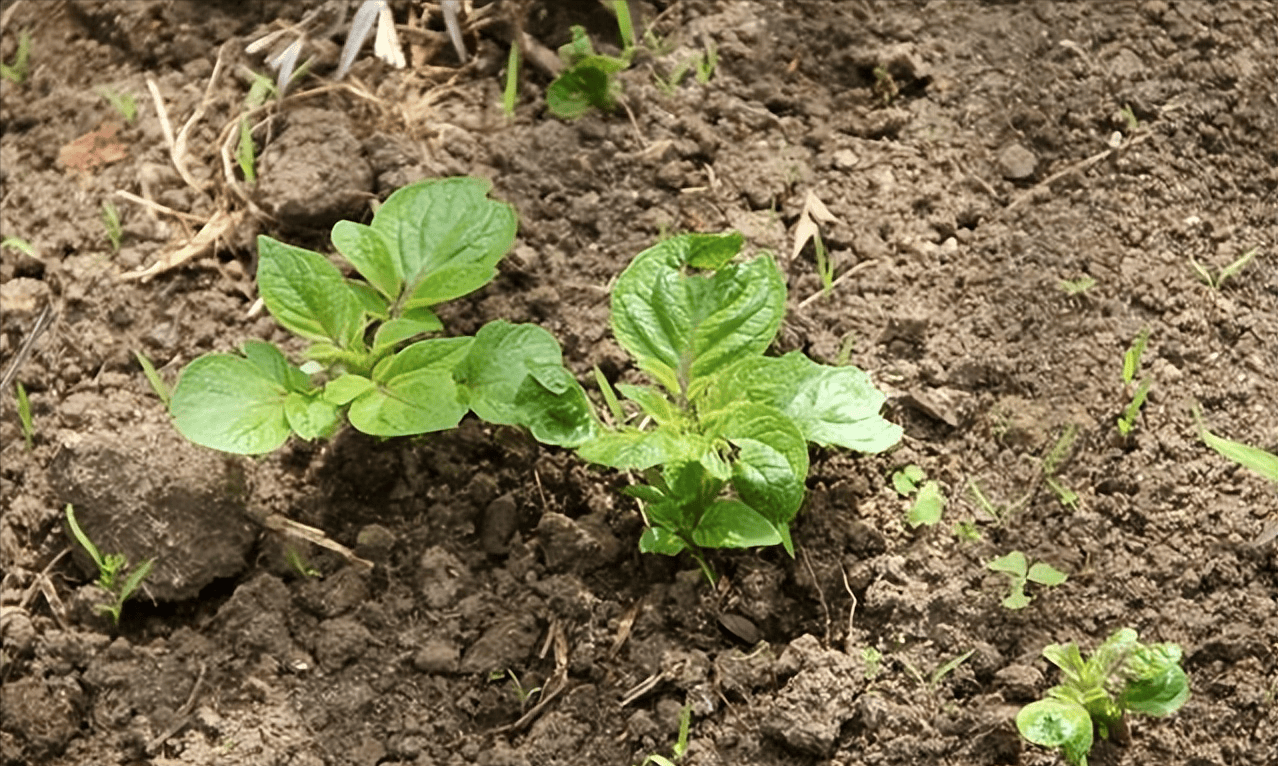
228 403
766 481
446 236
927 507
663 541
310 417
906 480
830 405
1017 598
1014 564
681 327
644 492
371 255
308 294
553 406
1046 574
733 524
415 392
638 450
497 364
344 388
398 330
1157 695
1053 723
373 302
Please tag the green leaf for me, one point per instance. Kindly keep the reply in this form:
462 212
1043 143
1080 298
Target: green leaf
733 524
638 450
415 391
927 507
272 363
497 364
681 328
906 480
610 397
371 255
552 405
344 388
399 330
644 492
831 405
446 237
1053 723
1160 694
1251 458
307 294
1046 574
1017 598
310 416
228 403
1013 563
653 403
663 541
373 302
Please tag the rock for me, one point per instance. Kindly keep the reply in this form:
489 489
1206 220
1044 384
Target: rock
374 542
339 642
507 643
1017 163
315 172
150 494
807 714
436 656
43 715
1019 683
501 519
444 578
577 546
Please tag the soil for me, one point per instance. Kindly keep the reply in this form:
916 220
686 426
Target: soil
973 155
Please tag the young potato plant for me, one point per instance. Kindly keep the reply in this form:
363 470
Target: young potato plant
1121 675
723 442
428 243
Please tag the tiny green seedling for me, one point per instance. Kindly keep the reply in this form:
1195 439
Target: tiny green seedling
1052 463
17 72
261 90
1251 458
1129 118
1016 566
588 82
625 26
123 103
873 660
510 95
929 503
723 443
1122 675
153 377
111 222
1076 286
522 694
706 63
1131 365
967 531
885 86
24 417
680 746
19 244
1217 280
111 568
298 563
428 243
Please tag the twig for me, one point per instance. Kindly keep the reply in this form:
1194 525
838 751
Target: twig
820 594
852 609
1077 167
157 207
300 531
179 146
42 323
859 267
555 685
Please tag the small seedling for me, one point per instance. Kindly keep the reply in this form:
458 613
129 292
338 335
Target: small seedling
1131 358
1251 458
1129 118
681 744
1217 280
706 63
111 568
1076 286
522 694
1016 566
123 103
588 82
814 213
929 503
158 385
19 244
625 26
298 563
1127 421
1131 365
24 416
885 86
938 674
111 222
967 531
1122 675
1051 463
724 441
873 660
17 72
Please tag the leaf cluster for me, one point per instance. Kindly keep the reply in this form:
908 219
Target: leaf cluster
589 81
1131 365
929 503
368 361
722 433
1017 567
111 569
1121 675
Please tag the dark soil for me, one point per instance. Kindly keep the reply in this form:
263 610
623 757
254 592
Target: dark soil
975 155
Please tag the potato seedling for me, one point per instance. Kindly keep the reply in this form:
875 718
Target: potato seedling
1017 567
929 503
428 243
1121 675
723 442
589 81
111 567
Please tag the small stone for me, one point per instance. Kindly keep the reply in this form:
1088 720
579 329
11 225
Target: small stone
1018 682
374 542
438 657
844 159
501 518
1017 163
